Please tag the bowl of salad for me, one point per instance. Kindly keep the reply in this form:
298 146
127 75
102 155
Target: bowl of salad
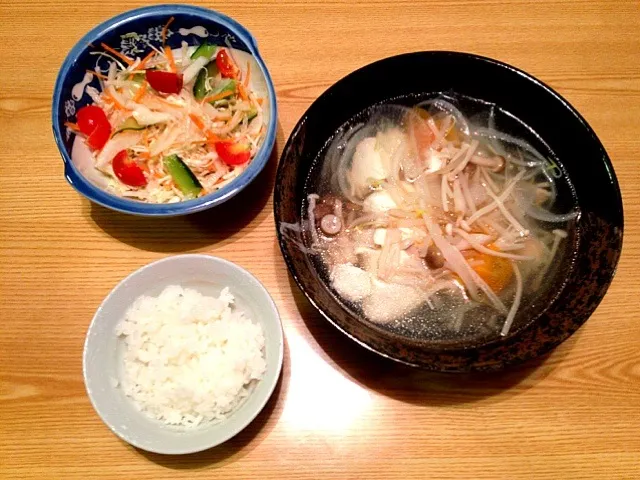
163 111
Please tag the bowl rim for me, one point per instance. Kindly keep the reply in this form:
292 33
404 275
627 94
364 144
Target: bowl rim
108 200
125 434
278 193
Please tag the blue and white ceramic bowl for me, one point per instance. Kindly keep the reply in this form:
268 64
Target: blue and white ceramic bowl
131 33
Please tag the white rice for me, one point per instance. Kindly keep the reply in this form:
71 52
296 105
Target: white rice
189 358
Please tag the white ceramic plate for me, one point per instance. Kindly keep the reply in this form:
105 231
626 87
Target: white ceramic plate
102 359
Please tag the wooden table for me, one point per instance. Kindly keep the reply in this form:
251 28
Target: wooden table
339 411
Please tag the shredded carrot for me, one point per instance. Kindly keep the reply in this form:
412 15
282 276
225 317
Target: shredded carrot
260 101
172 63
72 126
143 165
212 140
164 31
242 92
117 104
198 122
211 137
140 93
98 74
145 60
217 96
110 98
145 138
248 76
122 57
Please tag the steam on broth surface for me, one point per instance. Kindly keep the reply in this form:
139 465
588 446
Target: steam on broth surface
425 220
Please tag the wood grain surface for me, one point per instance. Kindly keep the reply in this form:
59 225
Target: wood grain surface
339 411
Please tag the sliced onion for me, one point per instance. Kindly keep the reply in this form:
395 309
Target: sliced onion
338 158
516 301
448 107
545 216
192 70
503 137
540 213
185 58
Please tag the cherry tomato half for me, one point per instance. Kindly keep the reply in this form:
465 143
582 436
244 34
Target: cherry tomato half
93 122
99 136
225 64
164 82
127 171
89 117
233 153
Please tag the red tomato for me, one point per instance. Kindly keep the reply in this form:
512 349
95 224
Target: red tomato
127 171
233 153
89 117
225 64
99 136
164 82
93 122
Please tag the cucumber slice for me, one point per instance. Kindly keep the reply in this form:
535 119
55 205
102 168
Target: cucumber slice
138 78
129 124
212 69
227 87
184 178
200 86
205 50
251 114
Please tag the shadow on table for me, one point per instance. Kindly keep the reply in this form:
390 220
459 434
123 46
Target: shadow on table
198 230
240 445
413 385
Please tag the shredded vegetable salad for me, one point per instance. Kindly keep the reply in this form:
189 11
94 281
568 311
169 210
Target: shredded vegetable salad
173 125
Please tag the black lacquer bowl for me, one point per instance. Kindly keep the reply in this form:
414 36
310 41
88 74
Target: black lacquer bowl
580 282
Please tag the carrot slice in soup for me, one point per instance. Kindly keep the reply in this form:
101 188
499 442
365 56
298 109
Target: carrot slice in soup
496 271
419 129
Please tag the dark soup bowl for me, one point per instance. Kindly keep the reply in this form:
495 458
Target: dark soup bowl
520 106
